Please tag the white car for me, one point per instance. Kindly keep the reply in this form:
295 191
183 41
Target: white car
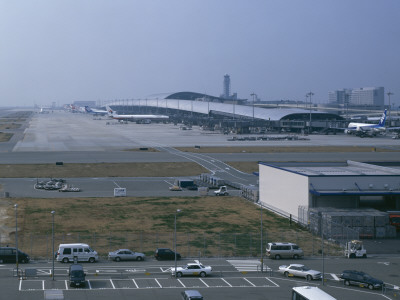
299 271
196 269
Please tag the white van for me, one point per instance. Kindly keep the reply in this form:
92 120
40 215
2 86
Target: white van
79 252
284 250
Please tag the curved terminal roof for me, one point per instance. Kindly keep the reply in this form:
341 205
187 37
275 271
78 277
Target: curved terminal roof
205 104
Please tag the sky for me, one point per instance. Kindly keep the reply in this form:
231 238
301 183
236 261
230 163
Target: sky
98 50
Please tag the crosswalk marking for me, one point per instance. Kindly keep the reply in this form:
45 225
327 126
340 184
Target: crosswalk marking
248 265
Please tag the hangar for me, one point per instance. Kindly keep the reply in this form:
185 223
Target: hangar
296 189
341 185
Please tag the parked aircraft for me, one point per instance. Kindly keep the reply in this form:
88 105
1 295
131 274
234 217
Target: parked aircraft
95 111
134 118
365 129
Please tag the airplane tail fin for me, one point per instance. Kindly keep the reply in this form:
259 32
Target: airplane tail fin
109 111
87 109
382 121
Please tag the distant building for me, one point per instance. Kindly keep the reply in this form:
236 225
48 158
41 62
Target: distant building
227 89
367 96
85 103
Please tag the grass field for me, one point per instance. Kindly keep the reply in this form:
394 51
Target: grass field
215 226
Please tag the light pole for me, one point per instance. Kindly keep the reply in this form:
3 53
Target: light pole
176 212
253 95
261 237
52 238
16 236
310 94
390 108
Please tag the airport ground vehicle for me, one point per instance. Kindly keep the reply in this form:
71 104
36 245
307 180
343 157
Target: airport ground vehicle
284 250
125 254
76 252
194 269
299 271
9 255
361 278
76 275
165 253
191 295
355 249
310 293
222 191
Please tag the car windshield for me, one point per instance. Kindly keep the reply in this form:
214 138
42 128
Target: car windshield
78 273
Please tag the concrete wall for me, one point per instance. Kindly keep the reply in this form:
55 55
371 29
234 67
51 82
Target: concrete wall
283 190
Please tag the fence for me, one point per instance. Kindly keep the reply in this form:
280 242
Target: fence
196 245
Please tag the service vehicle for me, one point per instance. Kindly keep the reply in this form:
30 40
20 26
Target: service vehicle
76 252
284 250
299 271
76 275
192 269
361 279
165 253
310 293
355 249
222 191
125 254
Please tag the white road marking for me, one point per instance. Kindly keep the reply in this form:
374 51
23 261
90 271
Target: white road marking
135 283
249 282
335 277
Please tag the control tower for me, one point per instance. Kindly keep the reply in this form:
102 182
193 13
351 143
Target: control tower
227 87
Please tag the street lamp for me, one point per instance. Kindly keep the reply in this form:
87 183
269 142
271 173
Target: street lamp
310 94
261 236
52 236
16 236
390 108
253 95
176 212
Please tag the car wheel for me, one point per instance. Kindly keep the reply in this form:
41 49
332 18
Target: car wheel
139 258
179 274
71 284
117 259
92 260
364 255
370 286
346 282
295 256
65 260
286 274
309 277
203 274
352 255
277 256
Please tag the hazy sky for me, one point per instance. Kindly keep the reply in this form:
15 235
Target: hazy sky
66 50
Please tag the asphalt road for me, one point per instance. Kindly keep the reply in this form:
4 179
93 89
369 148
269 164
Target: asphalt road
231 279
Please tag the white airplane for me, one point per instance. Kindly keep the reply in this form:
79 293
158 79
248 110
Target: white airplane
365 129
134 118
95 111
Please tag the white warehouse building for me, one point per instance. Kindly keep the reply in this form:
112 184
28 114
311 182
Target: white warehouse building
285 187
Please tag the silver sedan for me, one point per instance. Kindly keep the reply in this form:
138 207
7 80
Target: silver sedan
125 254
299 271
